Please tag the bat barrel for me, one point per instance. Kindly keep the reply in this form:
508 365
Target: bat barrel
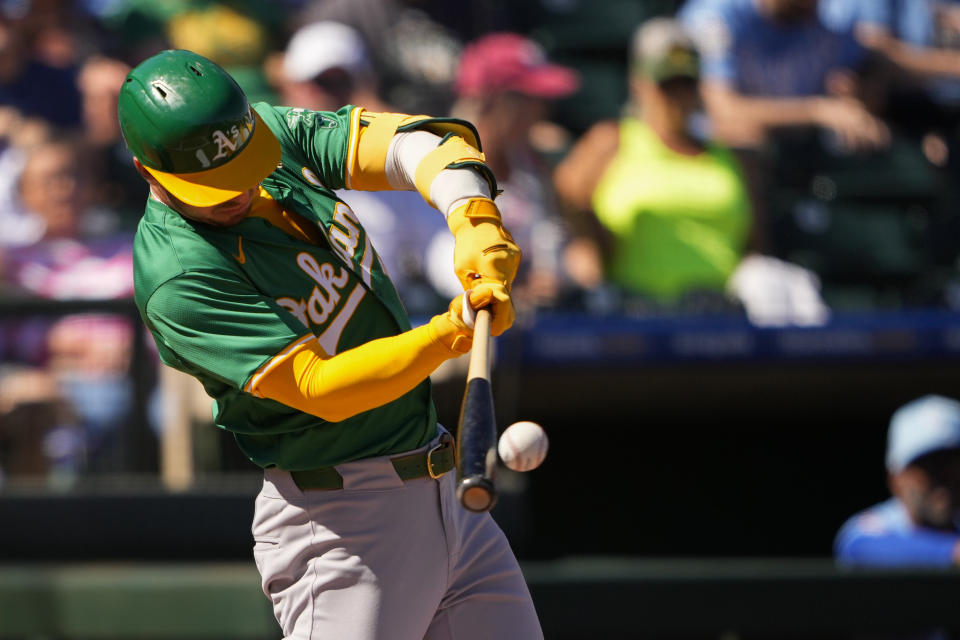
477 428
477 431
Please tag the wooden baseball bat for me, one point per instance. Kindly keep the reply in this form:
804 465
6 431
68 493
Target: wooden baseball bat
477 427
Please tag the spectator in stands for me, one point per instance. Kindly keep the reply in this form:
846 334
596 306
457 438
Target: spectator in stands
55 188
920 525
18 134
118 188
236 35
804 104
676 206
326 65
505 86
413 56
77 256
923 39
31 412
772 63
33 87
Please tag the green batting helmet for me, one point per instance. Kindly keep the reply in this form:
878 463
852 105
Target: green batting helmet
190 125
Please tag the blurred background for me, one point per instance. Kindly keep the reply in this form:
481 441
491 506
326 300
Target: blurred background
741 229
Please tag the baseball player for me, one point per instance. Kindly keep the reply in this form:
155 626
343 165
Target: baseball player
254 278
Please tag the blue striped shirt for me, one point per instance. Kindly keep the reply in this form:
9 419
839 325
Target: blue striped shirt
742 47
884 536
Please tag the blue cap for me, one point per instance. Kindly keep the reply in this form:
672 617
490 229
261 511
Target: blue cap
928 424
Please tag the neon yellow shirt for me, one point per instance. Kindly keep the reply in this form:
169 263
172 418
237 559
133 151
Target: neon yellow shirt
680 222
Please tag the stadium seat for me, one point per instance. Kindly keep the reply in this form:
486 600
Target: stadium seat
870 225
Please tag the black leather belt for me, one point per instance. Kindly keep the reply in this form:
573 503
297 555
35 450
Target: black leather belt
434 462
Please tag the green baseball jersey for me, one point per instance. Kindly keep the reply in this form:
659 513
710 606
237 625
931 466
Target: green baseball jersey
222 302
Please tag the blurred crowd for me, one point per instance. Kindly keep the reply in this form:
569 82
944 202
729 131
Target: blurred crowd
779 159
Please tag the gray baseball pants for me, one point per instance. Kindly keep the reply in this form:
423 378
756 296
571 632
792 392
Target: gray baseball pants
384 559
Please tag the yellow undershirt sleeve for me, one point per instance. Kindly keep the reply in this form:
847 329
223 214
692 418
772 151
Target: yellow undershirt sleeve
335 388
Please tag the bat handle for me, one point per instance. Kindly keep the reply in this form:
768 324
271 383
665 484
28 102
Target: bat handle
480 356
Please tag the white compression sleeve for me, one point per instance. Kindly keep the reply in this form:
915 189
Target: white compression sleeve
449 189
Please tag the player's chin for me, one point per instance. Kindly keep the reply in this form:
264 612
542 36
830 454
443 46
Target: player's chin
235 219
230 216
233 211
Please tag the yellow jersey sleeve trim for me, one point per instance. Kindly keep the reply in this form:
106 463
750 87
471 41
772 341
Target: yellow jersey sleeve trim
297 345
354 142
369 167
452 152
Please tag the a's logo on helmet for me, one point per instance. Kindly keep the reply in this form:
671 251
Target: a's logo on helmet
226 143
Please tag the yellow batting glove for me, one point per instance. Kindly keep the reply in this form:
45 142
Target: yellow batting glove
497 298
485 257
452 329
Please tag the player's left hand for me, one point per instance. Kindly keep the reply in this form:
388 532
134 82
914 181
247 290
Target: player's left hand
485 257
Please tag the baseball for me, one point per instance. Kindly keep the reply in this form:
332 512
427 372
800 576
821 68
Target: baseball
523 446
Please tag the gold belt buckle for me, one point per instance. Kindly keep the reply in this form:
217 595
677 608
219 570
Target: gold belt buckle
445 440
